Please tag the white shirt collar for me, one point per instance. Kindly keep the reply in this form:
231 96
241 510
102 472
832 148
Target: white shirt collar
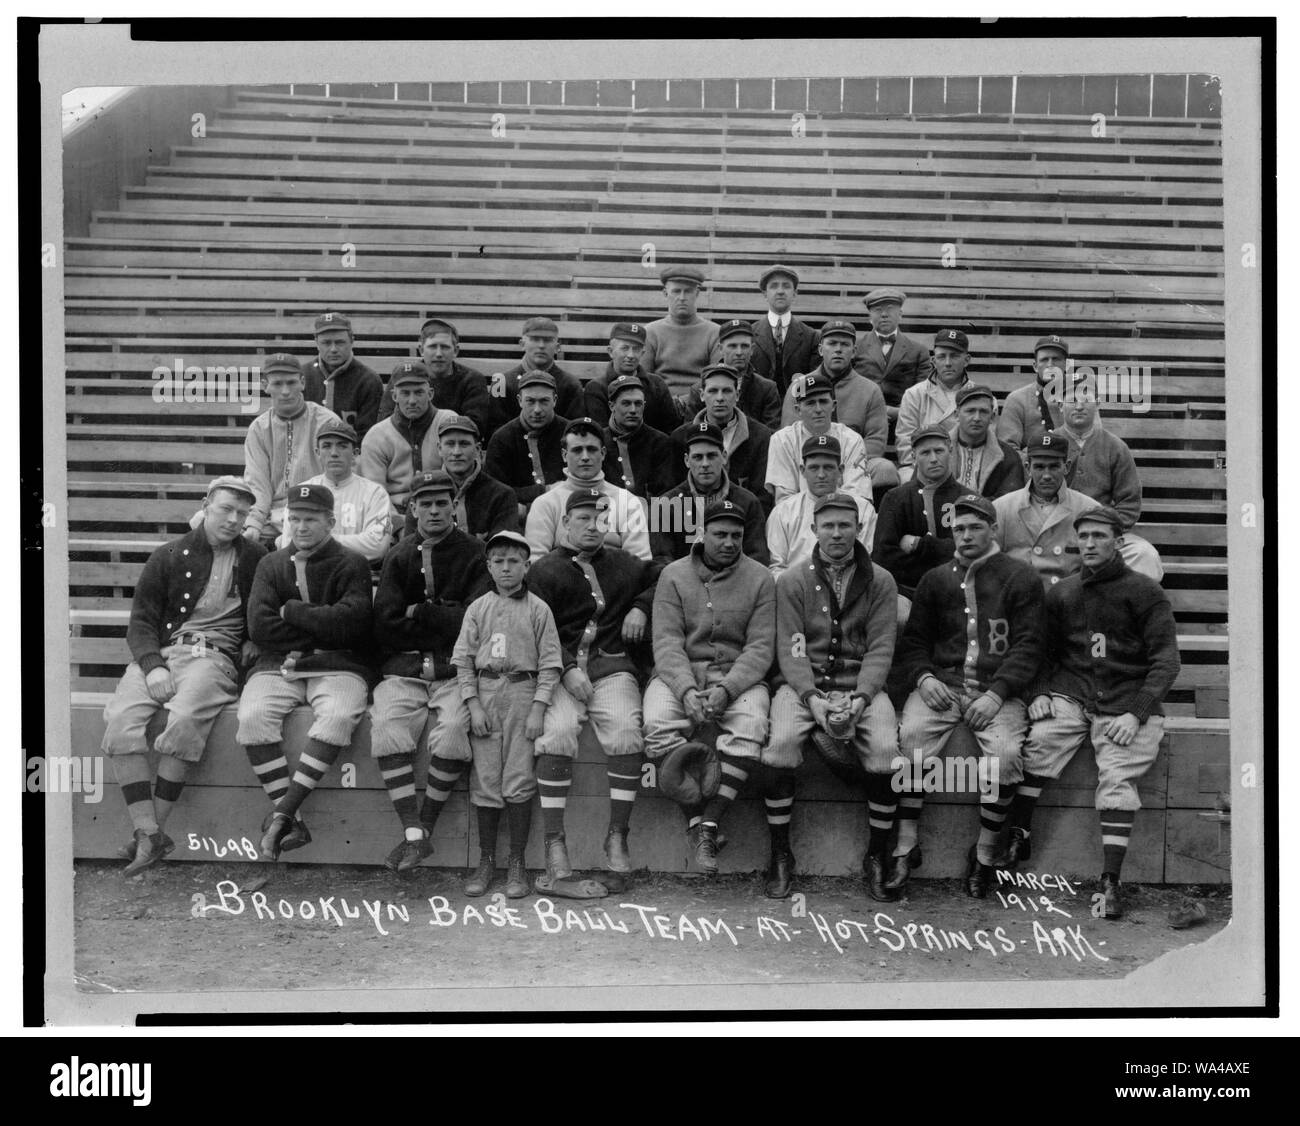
783 320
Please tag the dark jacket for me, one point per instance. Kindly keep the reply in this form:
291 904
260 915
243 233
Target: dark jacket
484 507
747 465
508 461
174 571
1007 630
758 398
902 513
660 410
460 576
465 391
676 516
798 354
650 452
626 583
358 393
908 362
1112 642
503 391
332 631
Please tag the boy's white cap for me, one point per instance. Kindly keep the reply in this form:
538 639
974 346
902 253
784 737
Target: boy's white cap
508 537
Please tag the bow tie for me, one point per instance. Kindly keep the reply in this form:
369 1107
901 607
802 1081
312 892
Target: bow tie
888 339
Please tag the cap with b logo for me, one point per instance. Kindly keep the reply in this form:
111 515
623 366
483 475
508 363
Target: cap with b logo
624 383
705 432
586 498
839 328
1050 444
338 430
316 497
626 330
979 505
281 362
409 371
583 426
814 383
775 270
884 296
540 326
975 391
735 327
821 444
720 369
432 481
951 338
329 322
458 424
690 274
1053 341
723 510
435 325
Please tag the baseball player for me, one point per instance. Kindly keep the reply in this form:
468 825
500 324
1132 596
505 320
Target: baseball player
338 380
816 409
891 358
791 531
745 442
404 444
525 453
309 614
428 580
188 635
933 401
280 446
682 344
453 386
969 651
714 635
583 446
835 614
1036 523
757 396
677 516
540 342
480 504
1112 656
981 463
783 345
626 344
641 458
363 514
508 661
1029 412
601 598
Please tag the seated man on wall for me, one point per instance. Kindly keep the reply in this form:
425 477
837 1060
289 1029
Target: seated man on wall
188 637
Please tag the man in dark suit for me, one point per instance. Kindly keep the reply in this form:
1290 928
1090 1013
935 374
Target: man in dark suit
783 345
884 354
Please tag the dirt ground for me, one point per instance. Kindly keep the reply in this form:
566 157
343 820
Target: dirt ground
187 927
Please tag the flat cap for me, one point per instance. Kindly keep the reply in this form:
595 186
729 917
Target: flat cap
975 391
311 496
458 424
432 481
435 325
234 484
280 362
626 330
1101 514
951 338
720 369
536 377
328 322
981 506
706 432
723 510
409 371
586 498
540 326
821 444
681 273
338 430
771 272
1050 444
514 539
926 433
839 328
624 383
835 500
735 327
1053 341
883 295
814 383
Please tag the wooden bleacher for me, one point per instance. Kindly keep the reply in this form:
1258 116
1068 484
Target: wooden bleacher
236 241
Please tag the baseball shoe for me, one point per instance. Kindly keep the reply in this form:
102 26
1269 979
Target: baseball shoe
1017 849
274 828
127 851
557 858
780 876
706 849
979 877
1188 913
412 853
517 885
616 853
148 851
1114 899
297 836
877 888
900 869
693 837
481 880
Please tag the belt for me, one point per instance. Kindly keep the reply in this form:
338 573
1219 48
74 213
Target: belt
513 677
198 639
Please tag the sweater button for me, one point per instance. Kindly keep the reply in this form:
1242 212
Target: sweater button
188 575
185 596
1056 551
1038 551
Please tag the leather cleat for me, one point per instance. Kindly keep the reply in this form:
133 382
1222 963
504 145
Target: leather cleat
412 853
1112 896
780 876
1017 850
274 828
706 849
148 851
616 854
979 877
127 851
557 859
517 885
297 836
390 861
1187 914
877 888
481 878
693 837
900 869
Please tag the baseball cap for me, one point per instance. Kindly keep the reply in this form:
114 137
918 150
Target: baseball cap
706 432
814 383
835 500
338 430
681 273
280 362
975 391
540 326
311 496
1053 341
928 432
458 423
720 369
234 484
821 444
624 383
979 505
537 377
735 327
328 322
1050 444
409 371
512 538
626 330
723 510
839 328
586 498
432 481
436 325
951 338
1100 514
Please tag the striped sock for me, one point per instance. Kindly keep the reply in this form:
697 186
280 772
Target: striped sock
317 758
1022 805
993 812
554 777
734 773
271 768
489 822
882 805
519 820
168 786
908 817
693 815
133 774
398 773
1116 827
442 776
779 802
624 773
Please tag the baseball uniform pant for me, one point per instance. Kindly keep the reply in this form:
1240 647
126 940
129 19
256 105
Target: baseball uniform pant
1141 556
338 701
614 712
924 732
883 473
401 709
742 728
1052 743
503 759
875 738
205 683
